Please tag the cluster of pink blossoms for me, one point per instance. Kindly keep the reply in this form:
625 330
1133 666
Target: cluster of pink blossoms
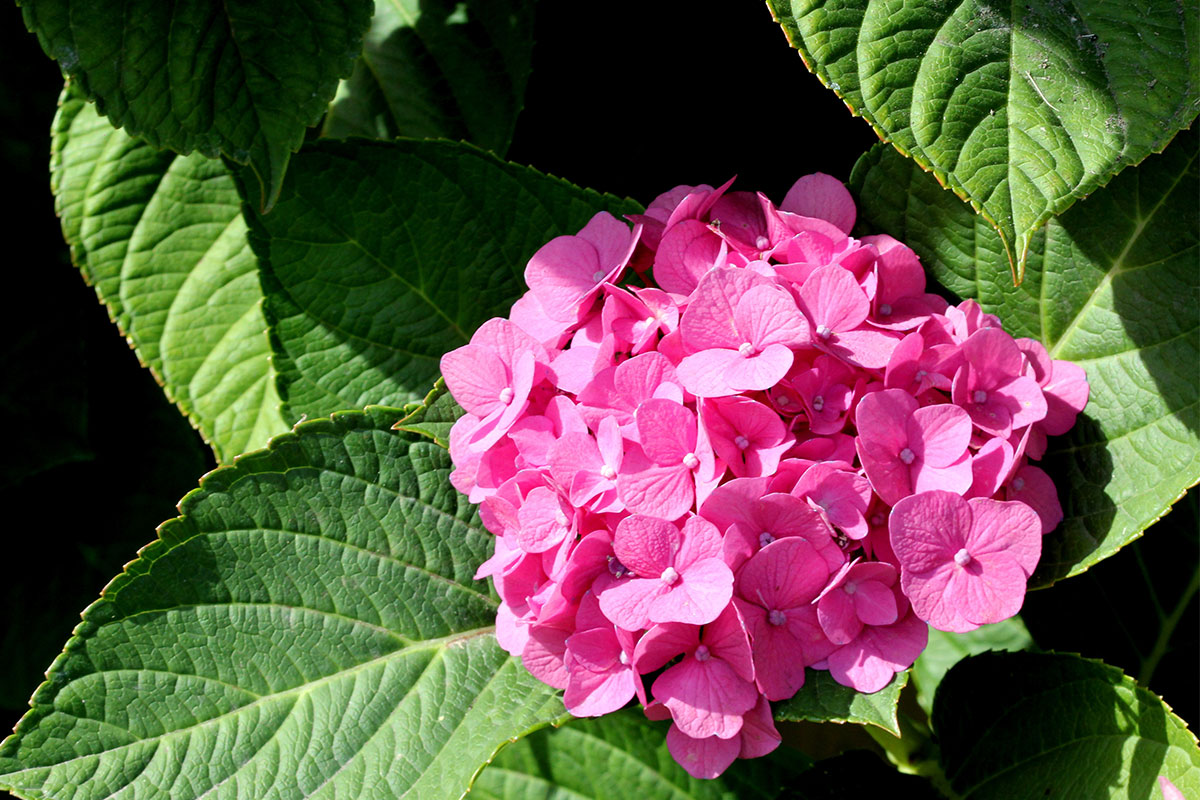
784 455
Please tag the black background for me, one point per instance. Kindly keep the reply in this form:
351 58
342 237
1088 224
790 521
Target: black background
640 97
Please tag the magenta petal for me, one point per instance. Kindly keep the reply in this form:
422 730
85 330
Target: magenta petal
475 377
1034 488
875 603
688 250
706 698
870 661
662 643
839 621
821 196
940 434
926 530
703 758
646 545
760 371
627 603
593 694
956 477
1008 527
833 298
864 348
705 374
702 592
778 655
663 492
561 273
759 735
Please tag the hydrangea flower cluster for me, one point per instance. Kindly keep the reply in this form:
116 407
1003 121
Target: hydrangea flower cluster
781 454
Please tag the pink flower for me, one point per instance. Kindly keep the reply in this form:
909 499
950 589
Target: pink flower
492 376
711 688
739 328
680 574
991 386
964 563
775 593
663 477
568 271
837 307
906 449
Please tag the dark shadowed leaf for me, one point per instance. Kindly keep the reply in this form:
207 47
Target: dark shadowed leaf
1049 725
241 78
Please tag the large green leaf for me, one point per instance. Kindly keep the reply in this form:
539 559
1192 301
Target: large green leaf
241 78
1021 108
381 257
307 628
162 239
947 649
822 699
439 69
616 757
1048 725
1110 285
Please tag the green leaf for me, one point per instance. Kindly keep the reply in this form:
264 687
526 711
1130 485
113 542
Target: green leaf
239 78
308 627
1110 285
947 649
1021 109
822 699
381 257
438 69
1049 725
616 757
162 239
434 417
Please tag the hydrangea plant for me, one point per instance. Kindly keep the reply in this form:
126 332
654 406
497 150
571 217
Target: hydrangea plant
522 489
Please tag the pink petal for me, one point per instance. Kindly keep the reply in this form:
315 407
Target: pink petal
822 196
1009 527
706 698
699 596
703 758
688 250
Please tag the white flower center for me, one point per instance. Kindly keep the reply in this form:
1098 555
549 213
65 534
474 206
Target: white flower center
762 243
980 396
818 403
669 576
506 395
962 557
742 442
702 653
690 461
907 456
623 658
746 349
608 472
824 332
850 588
